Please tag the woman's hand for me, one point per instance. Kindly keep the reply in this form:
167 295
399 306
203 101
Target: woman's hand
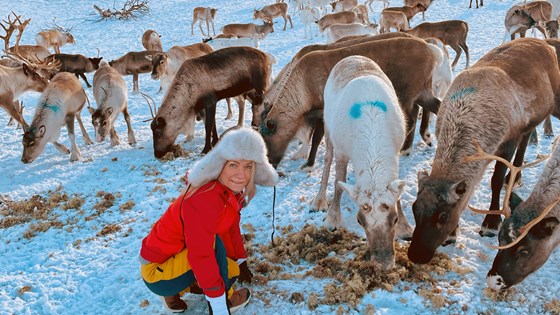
245 275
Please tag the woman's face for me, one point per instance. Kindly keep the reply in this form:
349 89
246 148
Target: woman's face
236 174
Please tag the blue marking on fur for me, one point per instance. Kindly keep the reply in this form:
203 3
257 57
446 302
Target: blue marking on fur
55 108
462 92
356 109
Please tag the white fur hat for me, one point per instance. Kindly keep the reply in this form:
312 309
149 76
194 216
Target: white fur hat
241 143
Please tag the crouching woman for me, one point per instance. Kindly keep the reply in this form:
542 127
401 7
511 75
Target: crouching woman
184 249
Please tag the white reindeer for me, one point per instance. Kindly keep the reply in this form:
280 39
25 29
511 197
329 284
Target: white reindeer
60 103
365 124
201 14
309 15
111 96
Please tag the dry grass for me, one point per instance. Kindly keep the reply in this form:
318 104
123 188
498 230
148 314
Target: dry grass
109 229
352 278
24 289
177 152
553 307
127 205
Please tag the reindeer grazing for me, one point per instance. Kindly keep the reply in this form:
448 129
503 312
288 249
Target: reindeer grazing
151 40
54 38
343 5
249 30
521 17
531 230
410 12
201 14
452 32
109 90
133 62
76 64
393 19
364 123
60 103
338 31
195 88
344 17
514 104
299 93
476 1
269 12
165 65
425 3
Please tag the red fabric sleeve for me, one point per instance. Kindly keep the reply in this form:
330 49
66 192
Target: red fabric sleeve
237 240
200 218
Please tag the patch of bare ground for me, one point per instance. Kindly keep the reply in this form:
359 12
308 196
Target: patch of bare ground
553 307
353 277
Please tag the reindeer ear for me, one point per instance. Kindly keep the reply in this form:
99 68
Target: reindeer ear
41 131
350 189
456 191
545 228
396 187
91 110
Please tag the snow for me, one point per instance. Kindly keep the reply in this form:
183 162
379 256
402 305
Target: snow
75 269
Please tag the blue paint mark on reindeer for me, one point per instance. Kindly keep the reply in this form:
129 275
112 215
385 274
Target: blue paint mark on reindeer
54 107
356 109
462 92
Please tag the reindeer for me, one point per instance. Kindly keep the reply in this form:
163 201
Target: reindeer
165 65
410 12
481 3
76 64
249 30
361 12
33 53
395 19
59 104
201 14
452 32
338 31
195 88
513 105
308 17
369 3
364 123
521 17
269 12
343 5
344 17
531 229
151 40
299 94
425 3
54 38
133 62
109 90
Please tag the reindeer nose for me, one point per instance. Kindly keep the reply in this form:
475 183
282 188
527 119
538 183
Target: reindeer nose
495 281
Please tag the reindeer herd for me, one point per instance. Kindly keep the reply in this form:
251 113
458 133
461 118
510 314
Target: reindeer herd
361 90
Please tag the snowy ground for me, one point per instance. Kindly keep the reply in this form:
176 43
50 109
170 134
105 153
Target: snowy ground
85 261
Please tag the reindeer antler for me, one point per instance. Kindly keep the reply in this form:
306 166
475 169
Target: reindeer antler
12 26
514 170
152 112
527 227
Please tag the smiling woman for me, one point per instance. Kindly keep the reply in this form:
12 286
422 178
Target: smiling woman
196 246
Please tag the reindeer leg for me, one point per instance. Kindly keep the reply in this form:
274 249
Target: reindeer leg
208 27
201 30
241 103
14 113
318 132
466 50
425 127
213 30
192 26
519 156
534 138
61 147
320 203
457 55
75 154
135 88
491 223
85 79
404 230
548 132
131 137
114 137
209 123
334 217
85 136
411 126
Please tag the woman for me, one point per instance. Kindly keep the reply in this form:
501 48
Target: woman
185 245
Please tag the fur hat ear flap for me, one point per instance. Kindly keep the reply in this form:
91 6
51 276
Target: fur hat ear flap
238 143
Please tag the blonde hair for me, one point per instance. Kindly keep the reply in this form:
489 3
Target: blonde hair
248 193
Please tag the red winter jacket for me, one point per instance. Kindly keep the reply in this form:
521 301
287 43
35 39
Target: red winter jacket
212 210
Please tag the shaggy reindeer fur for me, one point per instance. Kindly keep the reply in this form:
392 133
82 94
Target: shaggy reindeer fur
199 84
364 123
513 265
111 96
59 104
151 40
497 102
300 93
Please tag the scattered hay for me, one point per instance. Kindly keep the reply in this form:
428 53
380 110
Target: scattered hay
144 303
105 169
109 229
36 228
296 298
433 297
106 202
177 152
127 205
553 307
75 202
313 301
24 289
354 277
500 296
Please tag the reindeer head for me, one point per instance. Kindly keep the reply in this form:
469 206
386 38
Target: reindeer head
102 122
436 211
377 214
515 263
39 83
34 142
159 64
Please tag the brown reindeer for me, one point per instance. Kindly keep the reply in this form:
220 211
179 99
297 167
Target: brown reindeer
452 32
300 93
76 64
195 89
201 14
344 17
269 12
151 40
518 92
33 53
54 38
133 62
410 12
425 3
249 30
516 20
